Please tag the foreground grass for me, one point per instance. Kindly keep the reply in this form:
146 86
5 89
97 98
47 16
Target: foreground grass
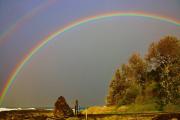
119 110
113 117
132 108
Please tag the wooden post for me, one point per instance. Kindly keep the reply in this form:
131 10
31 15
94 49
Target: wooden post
76 107
86 113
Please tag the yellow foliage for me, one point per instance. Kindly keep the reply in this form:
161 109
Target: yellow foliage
105 109
99 110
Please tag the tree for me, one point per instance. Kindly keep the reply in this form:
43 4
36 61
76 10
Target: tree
138 68
116 89
163 61
156 76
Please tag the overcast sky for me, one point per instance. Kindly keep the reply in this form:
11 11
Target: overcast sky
80 63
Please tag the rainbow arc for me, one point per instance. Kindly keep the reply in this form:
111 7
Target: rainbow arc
70 26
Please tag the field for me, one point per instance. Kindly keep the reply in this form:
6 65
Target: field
48 115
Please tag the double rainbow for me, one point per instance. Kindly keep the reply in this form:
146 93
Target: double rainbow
70 26
20 22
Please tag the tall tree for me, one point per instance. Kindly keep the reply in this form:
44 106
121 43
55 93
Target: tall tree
138 68
158 75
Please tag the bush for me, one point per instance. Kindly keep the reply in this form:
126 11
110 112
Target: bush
172 108
130 96
151 89
143 107
139 99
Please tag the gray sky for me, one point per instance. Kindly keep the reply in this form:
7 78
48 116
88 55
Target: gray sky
78 64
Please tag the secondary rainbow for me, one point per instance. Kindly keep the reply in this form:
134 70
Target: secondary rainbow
70 26
24 19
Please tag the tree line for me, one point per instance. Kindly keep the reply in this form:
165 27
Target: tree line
154 78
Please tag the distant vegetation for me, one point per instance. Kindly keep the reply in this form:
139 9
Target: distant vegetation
151 83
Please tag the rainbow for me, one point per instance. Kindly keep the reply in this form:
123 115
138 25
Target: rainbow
70 26
20 22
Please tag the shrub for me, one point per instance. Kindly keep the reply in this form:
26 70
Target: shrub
172 108
131 94
143 107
